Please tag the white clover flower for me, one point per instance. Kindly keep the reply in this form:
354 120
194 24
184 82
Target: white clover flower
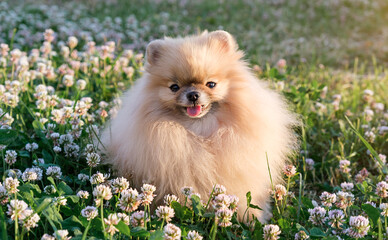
72 42
61 201
383 158
137 219
148 188
97 178
42 105
384 208
89 148
32 174
4 48
224 217
370 136
11 100
368 114
172 232
328 199
71 150
102 192
128 53
54 172
31 146
66 139
119 184
289 170
47 237
347 186
361 175
49 189
18 209
83 194
344 199
93 159
103 104
382 189
217 189
68 80
57 116
10 157
165 213
124 217
279 192
15 55
379 107
38 161
112 220
83 177
147 195
301 235
89 212
11 185
62 235
233 202
129 200
309 164
49 35
81 84
220 201
4 197
193 235
168 199
187 191
344 166
368 92
368 95
358 228
57 149
31 221
317 215
271 232
336 218
129 71
93 130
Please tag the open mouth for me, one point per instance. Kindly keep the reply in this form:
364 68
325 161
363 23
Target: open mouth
196 110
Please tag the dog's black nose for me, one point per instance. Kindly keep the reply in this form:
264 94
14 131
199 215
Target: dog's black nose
193 96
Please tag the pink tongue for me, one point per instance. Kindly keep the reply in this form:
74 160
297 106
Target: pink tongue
194 111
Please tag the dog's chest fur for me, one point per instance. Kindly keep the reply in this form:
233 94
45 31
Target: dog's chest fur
204 127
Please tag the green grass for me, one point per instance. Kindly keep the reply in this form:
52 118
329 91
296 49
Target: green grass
337 57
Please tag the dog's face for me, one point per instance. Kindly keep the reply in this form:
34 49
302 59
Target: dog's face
191 76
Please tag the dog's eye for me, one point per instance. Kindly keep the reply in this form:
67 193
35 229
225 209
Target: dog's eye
211 84
174 87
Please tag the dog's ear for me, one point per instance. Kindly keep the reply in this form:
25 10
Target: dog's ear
154 51
225 41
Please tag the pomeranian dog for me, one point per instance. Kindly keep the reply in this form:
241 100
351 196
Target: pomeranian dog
198 116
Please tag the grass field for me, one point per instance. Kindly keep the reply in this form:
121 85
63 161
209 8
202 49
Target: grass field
64 66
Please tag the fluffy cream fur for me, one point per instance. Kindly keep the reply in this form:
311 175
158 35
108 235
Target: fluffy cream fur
154 142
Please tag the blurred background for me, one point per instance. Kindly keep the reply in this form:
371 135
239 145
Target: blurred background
331 32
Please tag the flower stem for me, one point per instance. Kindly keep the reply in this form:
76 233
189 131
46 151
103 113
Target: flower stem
16 222
102 217
86 231
214 229
145 216
161 226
